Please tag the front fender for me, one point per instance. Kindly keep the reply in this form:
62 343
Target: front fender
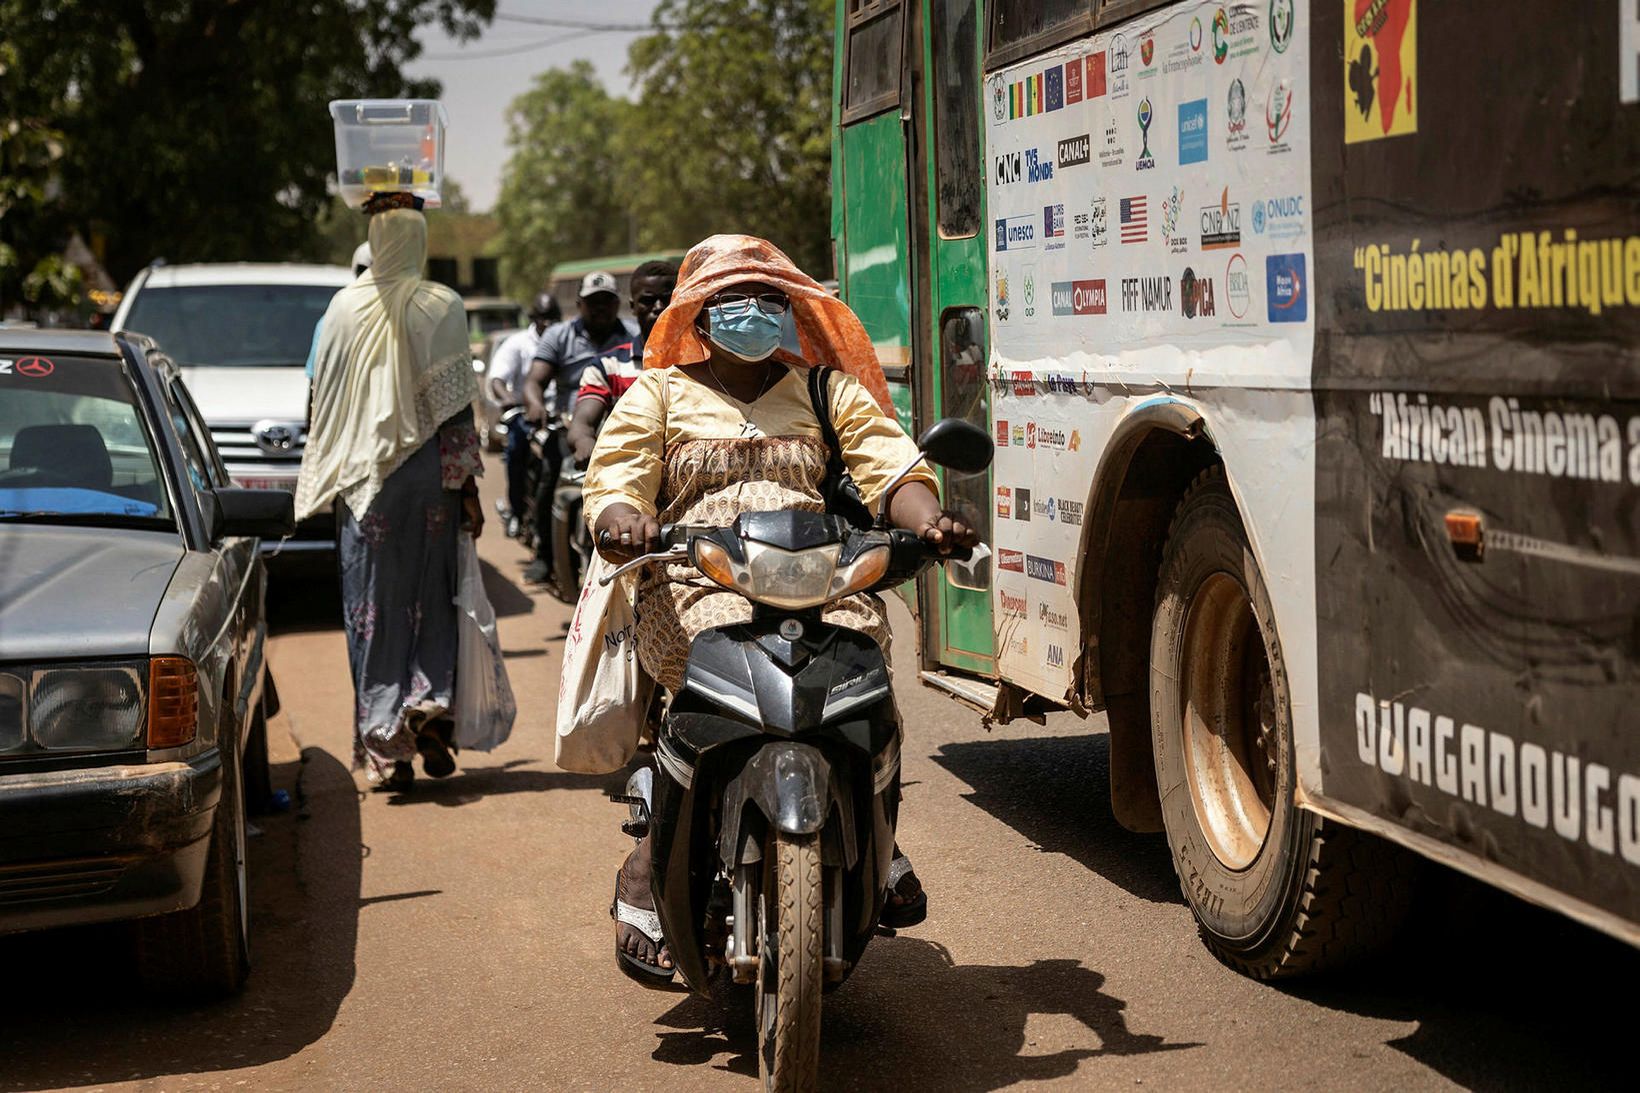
787 786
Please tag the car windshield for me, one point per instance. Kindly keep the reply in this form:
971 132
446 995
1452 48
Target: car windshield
74 448
231 325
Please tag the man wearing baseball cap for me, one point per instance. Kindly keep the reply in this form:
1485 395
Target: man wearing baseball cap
563 354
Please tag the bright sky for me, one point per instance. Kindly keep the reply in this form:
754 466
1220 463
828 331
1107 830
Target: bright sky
482 77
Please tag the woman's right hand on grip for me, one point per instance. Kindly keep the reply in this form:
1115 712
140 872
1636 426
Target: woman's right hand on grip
624 533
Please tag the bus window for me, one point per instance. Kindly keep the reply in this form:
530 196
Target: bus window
873 58
956 118
1019 27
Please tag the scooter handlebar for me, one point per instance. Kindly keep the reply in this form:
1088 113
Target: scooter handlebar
910 551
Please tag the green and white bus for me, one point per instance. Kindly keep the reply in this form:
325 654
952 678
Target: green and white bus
1307 332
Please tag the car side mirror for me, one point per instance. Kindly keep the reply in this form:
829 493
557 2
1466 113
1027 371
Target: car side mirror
957 445
252 514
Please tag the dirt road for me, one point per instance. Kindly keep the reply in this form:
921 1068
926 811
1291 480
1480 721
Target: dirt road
458 938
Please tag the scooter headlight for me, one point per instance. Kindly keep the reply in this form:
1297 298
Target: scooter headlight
791 579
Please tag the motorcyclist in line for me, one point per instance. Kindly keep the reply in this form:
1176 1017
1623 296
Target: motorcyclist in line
603 383
563 354
508 371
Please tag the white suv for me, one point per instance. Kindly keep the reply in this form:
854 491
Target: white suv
240 332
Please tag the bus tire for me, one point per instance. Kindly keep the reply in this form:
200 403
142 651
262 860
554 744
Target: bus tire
1276 891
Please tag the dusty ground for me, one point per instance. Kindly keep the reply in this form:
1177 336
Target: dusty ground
458 938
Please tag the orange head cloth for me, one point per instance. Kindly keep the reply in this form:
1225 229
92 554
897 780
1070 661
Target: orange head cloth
827 331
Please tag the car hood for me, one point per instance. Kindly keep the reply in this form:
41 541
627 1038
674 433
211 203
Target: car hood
81 592
249 394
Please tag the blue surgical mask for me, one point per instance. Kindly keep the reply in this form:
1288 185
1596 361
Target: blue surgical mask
745 331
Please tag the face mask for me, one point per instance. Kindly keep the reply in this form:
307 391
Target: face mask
746 331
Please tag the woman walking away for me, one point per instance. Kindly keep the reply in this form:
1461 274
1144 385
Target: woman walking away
719 423
391 442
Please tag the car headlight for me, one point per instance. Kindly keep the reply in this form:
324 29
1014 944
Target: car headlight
792 579
84 708
13 723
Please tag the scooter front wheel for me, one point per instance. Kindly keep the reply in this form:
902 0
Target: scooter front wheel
790 976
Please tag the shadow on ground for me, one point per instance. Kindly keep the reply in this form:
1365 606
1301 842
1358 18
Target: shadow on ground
910 994
304 601
83 1021
505 596
308 598
1505 995
474 783
1055 791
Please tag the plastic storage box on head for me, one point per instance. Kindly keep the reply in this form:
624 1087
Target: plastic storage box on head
389 145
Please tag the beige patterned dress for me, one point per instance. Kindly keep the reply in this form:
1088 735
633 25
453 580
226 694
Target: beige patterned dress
685 452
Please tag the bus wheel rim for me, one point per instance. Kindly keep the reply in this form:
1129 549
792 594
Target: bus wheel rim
1229 721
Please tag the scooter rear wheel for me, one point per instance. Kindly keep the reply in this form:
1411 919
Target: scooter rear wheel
790 977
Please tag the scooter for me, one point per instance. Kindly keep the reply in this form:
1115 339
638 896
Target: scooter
571 538
777 785
543 438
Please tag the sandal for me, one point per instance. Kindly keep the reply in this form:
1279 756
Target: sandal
899 916
647 923
436 759
400 781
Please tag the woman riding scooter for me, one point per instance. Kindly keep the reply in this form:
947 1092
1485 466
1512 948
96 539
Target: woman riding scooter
721 423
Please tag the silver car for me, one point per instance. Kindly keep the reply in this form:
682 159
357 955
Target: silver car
241 333
132 656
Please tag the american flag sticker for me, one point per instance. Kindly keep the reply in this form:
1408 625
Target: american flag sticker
1135 222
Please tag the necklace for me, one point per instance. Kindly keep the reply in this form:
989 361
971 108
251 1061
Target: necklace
768 379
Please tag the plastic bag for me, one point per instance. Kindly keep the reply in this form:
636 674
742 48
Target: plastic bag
484 703
603 693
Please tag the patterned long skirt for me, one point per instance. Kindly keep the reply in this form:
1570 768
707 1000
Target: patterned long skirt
398 569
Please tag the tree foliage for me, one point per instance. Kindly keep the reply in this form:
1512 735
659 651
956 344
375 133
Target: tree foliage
734 121
730 132
197 129
561 190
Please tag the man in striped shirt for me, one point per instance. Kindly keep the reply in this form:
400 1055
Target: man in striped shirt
607 380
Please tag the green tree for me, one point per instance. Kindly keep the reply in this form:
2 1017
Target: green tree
197 129
734 125
562 191
31 145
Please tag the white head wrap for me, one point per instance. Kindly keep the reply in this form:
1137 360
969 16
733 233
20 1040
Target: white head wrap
393 365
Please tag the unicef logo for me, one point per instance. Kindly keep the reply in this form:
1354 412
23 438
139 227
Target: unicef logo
1258 218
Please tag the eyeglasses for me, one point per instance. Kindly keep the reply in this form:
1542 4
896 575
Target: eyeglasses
770 303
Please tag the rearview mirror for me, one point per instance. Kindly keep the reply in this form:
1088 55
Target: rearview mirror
253 514
974 574
957 445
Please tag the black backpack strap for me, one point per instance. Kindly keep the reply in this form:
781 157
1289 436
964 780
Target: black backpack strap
819 397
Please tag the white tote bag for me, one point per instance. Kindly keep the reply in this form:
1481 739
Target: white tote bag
603 693
485 708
